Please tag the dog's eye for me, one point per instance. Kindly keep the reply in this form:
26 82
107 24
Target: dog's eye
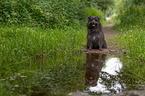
96 19
91 19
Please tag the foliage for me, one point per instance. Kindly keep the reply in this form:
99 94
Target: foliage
132 22
42 12
101 4
50 13
132 39
132 12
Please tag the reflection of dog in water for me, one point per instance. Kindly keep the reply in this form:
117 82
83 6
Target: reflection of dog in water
94 64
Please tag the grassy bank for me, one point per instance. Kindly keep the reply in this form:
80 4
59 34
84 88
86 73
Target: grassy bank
132 42
132 39
18 43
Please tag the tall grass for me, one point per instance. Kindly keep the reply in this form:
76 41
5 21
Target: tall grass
20 43
133 41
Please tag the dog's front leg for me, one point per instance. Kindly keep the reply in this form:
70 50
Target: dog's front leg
100 45
89 45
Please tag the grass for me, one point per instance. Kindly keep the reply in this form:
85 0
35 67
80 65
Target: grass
132 42
18 43
131 23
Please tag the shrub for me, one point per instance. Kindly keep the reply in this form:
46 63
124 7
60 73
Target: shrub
133 16
131 12
42 12
101 4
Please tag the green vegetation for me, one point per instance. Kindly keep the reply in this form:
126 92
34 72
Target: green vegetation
56 31
99 4
32 29
42 12
20 43
50 13
132 40
37 27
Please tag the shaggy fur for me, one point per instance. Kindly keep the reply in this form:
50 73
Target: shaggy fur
95 36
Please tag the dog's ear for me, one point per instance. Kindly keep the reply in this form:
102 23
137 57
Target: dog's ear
98 18
89 17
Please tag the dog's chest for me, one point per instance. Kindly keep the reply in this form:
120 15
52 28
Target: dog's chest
94 37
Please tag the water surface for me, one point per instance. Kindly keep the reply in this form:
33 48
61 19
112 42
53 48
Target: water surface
67 75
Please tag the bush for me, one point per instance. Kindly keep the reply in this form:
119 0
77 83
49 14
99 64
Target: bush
101 4
133 16
50 13
42 12
132 12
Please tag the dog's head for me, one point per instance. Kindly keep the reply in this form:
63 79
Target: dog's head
93 21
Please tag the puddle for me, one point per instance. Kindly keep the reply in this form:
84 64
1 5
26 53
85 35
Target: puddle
91 74
112 65
99 74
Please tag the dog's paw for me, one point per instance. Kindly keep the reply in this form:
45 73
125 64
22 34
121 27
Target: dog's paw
90 48
100 49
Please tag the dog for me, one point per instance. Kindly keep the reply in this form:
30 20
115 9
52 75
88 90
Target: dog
95 36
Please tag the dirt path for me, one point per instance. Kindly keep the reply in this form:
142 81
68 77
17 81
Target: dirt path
108 31
111 43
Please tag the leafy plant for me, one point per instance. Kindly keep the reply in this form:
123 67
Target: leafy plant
41 12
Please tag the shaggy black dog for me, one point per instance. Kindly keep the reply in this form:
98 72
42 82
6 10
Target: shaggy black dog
95 36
